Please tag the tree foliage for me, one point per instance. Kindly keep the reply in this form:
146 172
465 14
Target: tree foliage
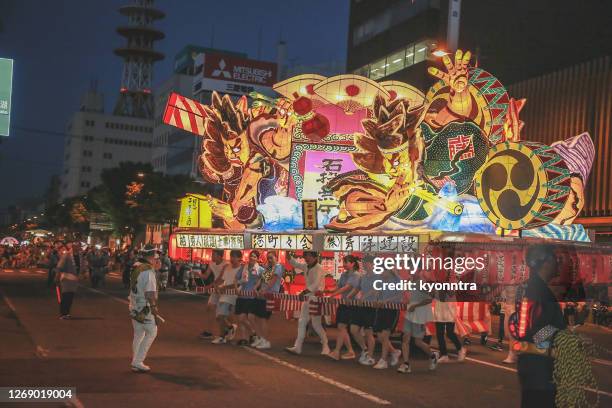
133 195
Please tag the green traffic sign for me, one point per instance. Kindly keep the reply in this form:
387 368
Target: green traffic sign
6 85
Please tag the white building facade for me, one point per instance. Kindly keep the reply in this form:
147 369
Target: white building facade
96 141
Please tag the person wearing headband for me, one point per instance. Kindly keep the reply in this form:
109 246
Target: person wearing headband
143 306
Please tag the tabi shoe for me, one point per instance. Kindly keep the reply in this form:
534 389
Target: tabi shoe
395 355
263 345
334 355
140 368
325 350
461 354
348 356
293 350
433 360
381 365
443 359
404 368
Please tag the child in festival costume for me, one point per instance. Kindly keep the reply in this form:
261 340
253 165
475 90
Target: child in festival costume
363 317
386 320
348 282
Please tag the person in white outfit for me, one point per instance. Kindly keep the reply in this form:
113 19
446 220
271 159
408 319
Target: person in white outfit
315 283
143 307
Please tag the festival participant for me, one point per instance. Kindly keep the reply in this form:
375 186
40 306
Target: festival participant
97 260
348 282
444 314
164 270
226 303
315 283
508 307
386 320
67 279
215 269
143 306
246 280
363 317
54 258
269 282
419 312
186 274
535 369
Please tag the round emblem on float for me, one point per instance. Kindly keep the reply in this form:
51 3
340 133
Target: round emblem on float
522 185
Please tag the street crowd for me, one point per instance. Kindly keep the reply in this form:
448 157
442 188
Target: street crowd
238 290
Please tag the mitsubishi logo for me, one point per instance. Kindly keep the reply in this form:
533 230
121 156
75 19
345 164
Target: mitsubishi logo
221 70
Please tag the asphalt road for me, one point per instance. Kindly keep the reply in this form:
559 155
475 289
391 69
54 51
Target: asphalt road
92 353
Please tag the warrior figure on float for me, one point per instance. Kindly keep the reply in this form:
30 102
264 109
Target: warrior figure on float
409 145
246 150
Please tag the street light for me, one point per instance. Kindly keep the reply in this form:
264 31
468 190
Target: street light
140 175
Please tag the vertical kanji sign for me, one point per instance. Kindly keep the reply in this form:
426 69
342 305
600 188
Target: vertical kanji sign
6 85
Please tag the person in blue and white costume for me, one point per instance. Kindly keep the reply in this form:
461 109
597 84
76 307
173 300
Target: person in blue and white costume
363 317
270 281
347 287
386 319
247 279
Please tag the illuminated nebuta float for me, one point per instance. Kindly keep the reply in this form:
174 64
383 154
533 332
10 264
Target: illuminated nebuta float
383 156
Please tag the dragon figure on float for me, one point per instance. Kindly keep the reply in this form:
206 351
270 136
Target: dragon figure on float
385 156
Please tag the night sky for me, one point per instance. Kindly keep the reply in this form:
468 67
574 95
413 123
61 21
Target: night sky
59 46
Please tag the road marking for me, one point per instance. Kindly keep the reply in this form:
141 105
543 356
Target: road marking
8 302
183 291
607 394
514 370
107 294
604 362
40 352
320 377
491 364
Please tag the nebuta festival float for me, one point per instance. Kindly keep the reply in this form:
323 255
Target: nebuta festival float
348 165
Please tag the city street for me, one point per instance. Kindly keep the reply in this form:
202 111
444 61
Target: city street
91 352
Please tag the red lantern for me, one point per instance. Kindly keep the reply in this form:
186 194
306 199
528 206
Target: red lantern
302 105
316 128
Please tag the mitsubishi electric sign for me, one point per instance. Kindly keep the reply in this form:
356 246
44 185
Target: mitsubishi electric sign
243 70
6 84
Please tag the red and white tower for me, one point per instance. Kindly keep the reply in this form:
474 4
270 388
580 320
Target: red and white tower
135 98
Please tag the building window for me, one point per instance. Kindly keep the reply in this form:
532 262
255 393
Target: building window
395 62
85 184
377 69
107 155
409 56
421 51
87 153
413 54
